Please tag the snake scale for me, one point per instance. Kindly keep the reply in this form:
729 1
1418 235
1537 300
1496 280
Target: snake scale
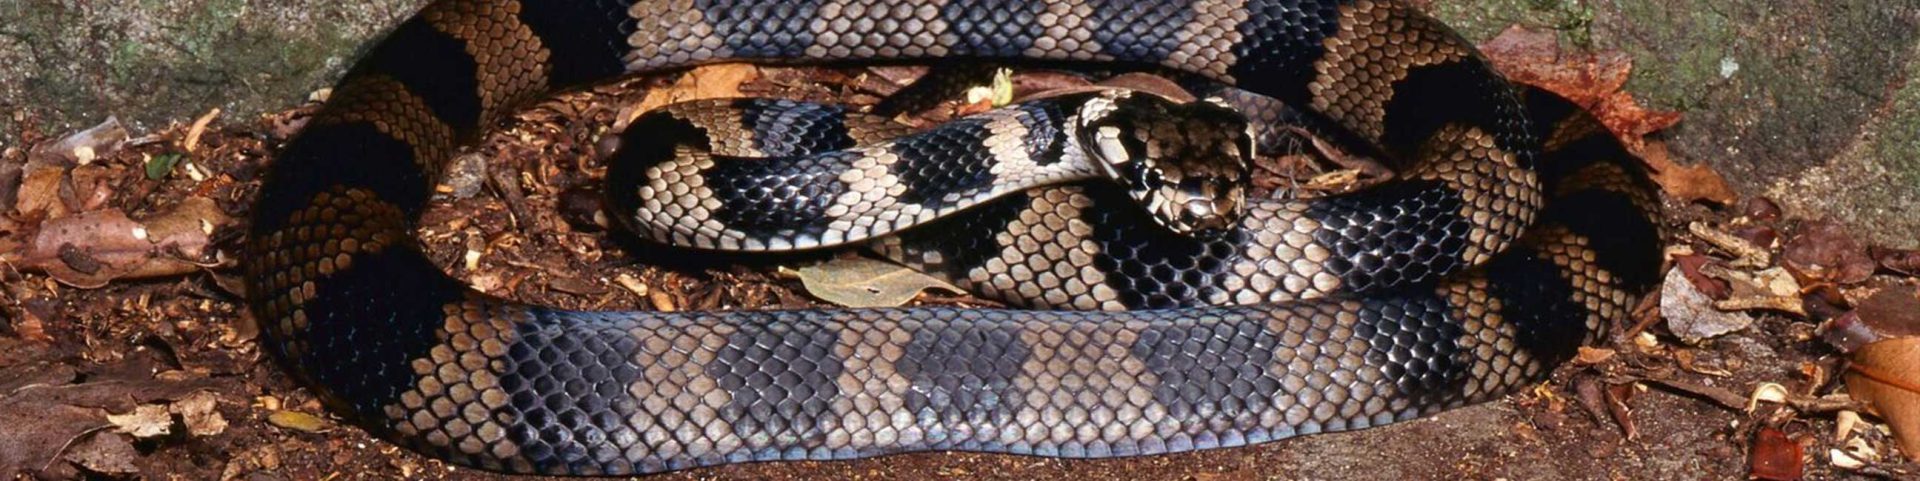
1509 243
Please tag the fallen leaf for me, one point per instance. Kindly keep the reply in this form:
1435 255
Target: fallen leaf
1886 375
1775 457
105 453
46 406
1767 392
199 412
30 326
89 249
1592 355
1893 311
146 421
1763 236
1773 289
1745 253
864 282
1594 81
89 187
160 165
1693 266
1690 183
1823 252
1844 424
81 148
1691 315
1533 56
575 286
1760 209
297 421
1904 261
1855 454
704 82
39 193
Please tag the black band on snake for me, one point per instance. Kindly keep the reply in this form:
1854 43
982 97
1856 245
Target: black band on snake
1298 317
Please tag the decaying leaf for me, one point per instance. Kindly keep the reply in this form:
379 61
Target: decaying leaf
87 250
1822 251
703 82
146 421
1893 311
1696 182
1773 289
297 421
1775 456
1886 375
81 148
1691 315
1533 56
198 411
44 407
1694 266
1904 261
863 282
39 192
105 453
1594 80
1746 253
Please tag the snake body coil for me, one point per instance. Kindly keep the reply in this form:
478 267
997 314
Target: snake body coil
1327 315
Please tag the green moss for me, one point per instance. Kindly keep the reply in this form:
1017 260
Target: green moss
1899 146
1483 20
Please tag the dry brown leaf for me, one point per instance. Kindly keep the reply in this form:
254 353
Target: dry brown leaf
1589 356
1886 375
1686 182
199 412
88 250
863 282
1822 252
1693 266
39 194
704 82
1593 80
44 407
81 148
1534 57
1904 261
146 421
1893 311
1775 456
105 453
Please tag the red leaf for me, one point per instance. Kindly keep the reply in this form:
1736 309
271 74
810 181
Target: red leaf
1776 457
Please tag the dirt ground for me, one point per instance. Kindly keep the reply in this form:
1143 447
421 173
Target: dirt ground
120 359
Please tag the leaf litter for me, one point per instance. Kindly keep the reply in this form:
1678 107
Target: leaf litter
532 252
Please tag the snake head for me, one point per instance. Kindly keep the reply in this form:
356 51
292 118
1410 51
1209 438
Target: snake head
1186 163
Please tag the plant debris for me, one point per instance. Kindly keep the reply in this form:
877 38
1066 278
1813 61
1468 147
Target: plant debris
862 282
1722 372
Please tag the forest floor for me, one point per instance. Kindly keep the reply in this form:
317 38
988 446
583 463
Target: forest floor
126 352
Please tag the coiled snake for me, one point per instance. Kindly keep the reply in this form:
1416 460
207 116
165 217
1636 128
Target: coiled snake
1341 313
